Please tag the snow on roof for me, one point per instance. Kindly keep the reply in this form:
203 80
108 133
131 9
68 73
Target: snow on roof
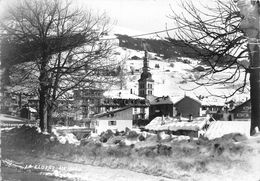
190 97
220 128
162 100
32 109
176 98
121 94
111 112
212 101
240 105
173 124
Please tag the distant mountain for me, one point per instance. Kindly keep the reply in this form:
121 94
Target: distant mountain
171 48
164 48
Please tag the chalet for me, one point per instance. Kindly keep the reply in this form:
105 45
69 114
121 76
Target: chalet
116 120
188 106
28 113
115 99
241 112
161 106
192 128
214 107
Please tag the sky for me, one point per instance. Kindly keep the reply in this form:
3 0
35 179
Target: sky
142 16
139 16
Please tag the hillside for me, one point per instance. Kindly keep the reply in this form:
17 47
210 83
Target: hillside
173 77
162 47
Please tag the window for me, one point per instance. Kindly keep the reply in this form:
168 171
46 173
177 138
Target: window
111 123
141 92
242 115
150 92
150 86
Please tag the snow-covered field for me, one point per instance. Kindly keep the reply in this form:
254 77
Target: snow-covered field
173 77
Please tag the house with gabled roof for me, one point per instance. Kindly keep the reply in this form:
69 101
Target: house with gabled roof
192 106
241 112
115 120
188 106
161 106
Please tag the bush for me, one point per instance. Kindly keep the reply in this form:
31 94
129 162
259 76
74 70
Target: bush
132 135
164 150
150 151
115 139
141 138
106 135
119 151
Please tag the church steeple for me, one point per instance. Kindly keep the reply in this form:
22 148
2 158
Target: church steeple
145 63
146 82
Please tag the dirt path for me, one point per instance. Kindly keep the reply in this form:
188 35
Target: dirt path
80 172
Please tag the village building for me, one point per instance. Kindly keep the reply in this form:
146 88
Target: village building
161 106
87 103
28 113
241 112
116 120
145 83
190 106
174 126
115 99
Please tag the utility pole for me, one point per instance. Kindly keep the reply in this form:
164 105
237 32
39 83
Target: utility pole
250 9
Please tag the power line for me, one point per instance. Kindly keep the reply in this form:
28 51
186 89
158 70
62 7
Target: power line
157 32
151 33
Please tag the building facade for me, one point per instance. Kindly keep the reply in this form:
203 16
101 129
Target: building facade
145 83
116 120
87 103
188 106
241 112
161 106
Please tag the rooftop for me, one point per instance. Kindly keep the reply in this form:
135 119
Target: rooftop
161 100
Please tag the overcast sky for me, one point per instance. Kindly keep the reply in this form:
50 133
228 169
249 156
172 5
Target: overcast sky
140 15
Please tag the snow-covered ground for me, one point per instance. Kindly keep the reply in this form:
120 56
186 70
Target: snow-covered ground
172 77
220 128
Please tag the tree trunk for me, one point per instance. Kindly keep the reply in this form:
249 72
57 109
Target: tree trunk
255 89
43 94
43 108
49 117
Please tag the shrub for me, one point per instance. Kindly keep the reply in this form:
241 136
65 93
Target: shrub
106 135
132 135
150 151
119 151
141 138
164 150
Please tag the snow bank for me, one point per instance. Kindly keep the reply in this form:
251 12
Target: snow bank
219 128
66 137
173 124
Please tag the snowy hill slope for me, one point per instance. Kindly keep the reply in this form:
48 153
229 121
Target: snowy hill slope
172 77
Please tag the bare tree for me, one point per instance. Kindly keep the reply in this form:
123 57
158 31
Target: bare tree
215 37
59 49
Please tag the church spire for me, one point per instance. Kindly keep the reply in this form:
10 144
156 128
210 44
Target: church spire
145 82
